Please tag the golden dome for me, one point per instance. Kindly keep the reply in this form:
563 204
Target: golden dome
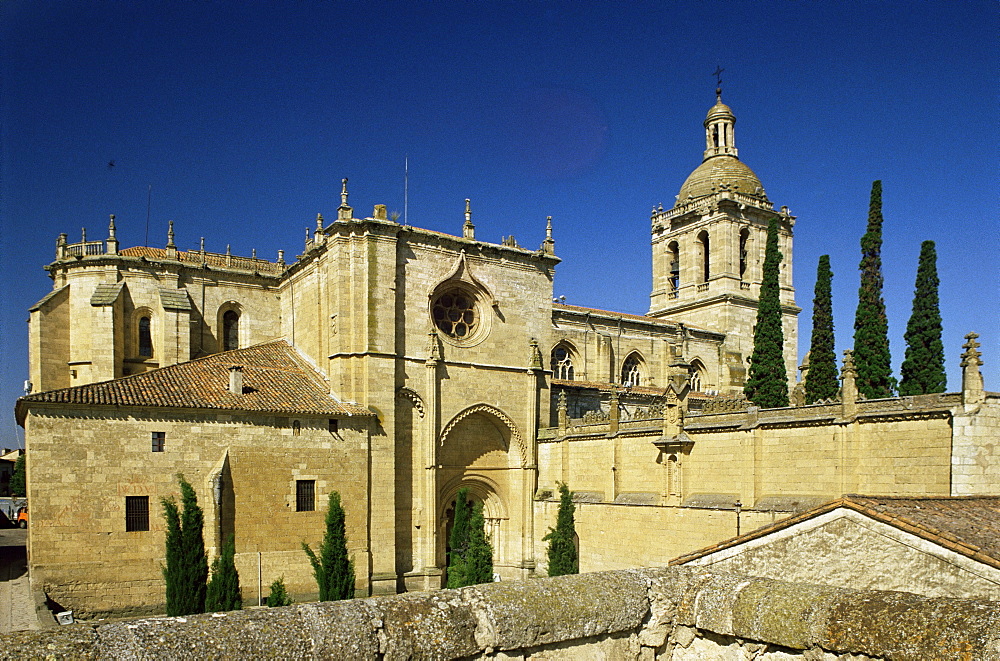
719 171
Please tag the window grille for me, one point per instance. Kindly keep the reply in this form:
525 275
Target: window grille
159 441
305 495
136 513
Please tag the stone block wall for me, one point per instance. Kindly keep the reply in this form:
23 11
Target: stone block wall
642 614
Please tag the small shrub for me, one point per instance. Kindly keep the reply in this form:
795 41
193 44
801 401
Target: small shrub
279 596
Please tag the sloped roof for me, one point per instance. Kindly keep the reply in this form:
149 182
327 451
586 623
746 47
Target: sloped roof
275 379
968 525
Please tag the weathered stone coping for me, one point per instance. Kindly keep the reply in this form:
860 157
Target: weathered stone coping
640 611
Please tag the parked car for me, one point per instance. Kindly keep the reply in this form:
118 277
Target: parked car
22 517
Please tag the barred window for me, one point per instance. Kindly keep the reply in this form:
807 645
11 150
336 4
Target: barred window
136 513
305 495
159 440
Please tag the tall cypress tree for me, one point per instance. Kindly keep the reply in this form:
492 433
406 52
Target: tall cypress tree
767 385
479 555
223 591
821 380
187 567
17 482
871 326
333 569
458 541
562 553
922 371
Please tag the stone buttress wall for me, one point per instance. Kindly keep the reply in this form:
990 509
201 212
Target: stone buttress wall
675 614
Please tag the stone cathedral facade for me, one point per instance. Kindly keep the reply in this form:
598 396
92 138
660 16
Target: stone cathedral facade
395 365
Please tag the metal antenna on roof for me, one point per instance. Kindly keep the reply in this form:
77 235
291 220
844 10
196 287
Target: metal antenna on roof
406 187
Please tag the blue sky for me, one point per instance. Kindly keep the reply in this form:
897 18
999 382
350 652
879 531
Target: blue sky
244 116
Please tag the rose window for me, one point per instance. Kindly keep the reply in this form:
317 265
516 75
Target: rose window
455 314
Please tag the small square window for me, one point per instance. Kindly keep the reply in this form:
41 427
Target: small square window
305 495
159 440
333 425
136 513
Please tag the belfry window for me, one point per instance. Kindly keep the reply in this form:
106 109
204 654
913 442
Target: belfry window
744 241
145 338
631 371
703 248
562 364
230 330
674 256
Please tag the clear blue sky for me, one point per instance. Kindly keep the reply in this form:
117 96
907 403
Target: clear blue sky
244 116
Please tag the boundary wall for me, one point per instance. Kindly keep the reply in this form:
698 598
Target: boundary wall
674 613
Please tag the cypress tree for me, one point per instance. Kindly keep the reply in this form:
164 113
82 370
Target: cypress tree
767 385
562 549
458 541
17 481
479 556
187 568
223 591
821 380
333 570
922 371
871 326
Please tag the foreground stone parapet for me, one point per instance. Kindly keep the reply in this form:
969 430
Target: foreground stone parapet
673 613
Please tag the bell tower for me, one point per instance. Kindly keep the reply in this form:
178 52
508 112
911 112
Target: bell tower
708 250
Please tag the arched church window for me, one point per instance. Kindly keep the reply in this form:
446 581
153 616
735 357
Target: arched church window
145 338
562 363
703 248
230 330
694 376
631 371
744 242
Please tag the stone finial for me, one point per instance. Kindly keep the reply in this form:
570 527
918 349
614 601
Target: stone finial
83 234
171 246
344 211
972 378
229 251
535 360
61 246
549 244
848 387
379 212
319 222
281 256
202 246
112 242
561 410
468 229
253 253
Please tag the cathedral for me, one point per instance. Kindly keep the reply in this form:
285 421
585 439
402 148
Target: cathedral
395 365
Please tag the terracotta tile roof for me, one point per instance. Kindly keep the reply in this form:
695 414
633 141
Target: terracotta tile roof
275 379
210 258
969 525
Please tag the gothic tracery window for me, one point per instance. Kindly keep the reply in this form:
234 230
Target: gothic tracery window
454 312
562 364
631 371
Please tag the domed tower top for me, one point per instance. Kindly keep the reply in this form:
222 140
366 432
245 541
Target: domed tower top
719 136
721 166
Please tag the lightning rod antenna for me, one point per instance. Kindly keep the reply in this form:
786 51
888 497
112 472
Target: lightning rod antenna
149 202
406 187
